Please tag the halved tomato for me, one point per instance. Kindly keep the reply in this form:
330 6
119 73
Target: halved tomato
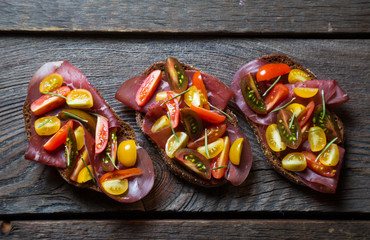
297 75
317 139
278 94
327 123
208 115
115 187
172 145
317 166
331 156
161 123
213 148
192 123
101 135
221 160
173 109
213 133
51 82
194 161
120 174
175 74
46 126
289 129
48 102
236 151
195 97
198 82
272 70
306 113
148 87
80 98
252 94
294 162
58 138
273 138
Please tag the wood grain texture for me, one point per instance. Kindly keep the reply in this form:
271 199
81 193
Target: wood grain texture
192 16
27 187
187 229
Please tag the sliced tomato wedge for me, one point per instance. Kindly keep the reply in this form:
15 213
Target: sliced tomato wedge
272 70
208 115
120 174
59 137
48 102
173 109
148 87
213 133
101 134
278 94
198 82
305 115
221 160
317 166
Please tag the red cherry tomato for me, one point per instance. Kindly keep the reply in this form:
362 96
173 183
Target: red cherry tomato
47 102
221 160
120 174
148 87
278 94
173 109
207 115
59 137
306 114
198 82
317 166
272 70
101 134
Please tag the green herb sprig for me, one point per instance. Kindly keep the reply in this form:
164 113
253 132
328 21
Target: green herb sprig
88 169
218 167
323 104
283 106
175 97
291 121
205 142
314 130
327 146
227 115
45 122
75 116
68 159
55 94
115 166
276 81
98 115
173 130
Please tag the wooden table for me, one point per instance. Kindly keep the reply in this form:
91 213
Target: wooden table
112 42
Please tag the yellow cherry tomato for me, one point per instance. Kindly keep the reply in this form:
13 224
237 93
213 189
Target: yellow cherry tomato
295 108
195 97
213 148
51 82
331 156
305 92
46 126
161 123
297 75
80 98
273 138
163 95
316 138
80 140
294 162
236 151
115 187
84 175
127 153
172 145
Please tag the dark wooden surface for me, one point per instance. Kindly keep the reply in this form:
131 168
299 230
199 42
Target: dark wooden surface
33 32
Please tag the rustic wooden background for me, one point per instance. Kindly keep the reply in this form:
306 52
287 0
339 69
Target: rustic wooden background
112 42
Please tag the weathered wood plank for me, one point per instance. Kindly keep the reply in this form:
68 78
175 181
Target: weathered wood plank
27 187
187 229
213 16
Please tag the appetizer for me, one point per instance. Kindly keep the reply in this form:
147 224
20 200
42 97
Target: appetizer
291 113
183 111
71 127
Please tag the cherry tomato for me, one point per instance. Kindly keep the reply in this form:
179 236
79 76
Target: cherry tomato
120 174
278 94
317 139
79 135
52 125
305 92
305 115
317 166
173 109
175 74
161 123
297 75
163 96
272 70
127 154
148 87
294 162
208 115
194 161
252 94
213 133
172 145
273 138
80 98
58 138
213 148
195 97
290 133
51 82
331 156
236 151
327 123
47 102
192 123
198 82
296 108
115 187
221 160
84 175
101 134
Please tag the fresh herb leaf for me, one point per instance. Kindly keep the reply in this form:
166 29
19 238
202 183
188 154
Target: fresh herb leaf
88 169
68 160
55 94
98 115
175 97
323 104
291 121
283 106
205 142
314 130
218 167
112 161
75 116
327 146
45 122
173 130
277 80
227 115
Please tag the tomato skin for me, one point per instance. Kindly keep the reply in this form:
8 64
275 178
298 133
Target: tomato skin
316 139
297 75
208 115
51 127
173 109
295 162
213 133
278 94
331 156
272 70
194 161
172 146
120 174
101 134
305 115
221 160
195 97
252 94
273 138
175 74
317 166
192 123
51 82
198 82
47 102
127 153
236 151
58 138
214 148
148 87
80 98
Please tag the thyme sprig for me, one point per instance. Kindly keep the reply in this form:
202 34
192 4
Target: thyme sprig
115 166
276 81
173 130
98 115
327 146
218 167
283 106
55 94
205 142
175 97
323 104
75 116
227 115
45 122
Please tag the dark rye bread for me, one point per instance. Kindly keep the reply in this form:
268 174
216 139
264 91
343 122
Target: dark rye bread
126 130
272 157
174 167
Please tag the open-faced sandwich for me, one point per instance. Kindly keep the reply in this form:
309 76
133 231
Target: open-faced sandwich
183 111
71 127
291 114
